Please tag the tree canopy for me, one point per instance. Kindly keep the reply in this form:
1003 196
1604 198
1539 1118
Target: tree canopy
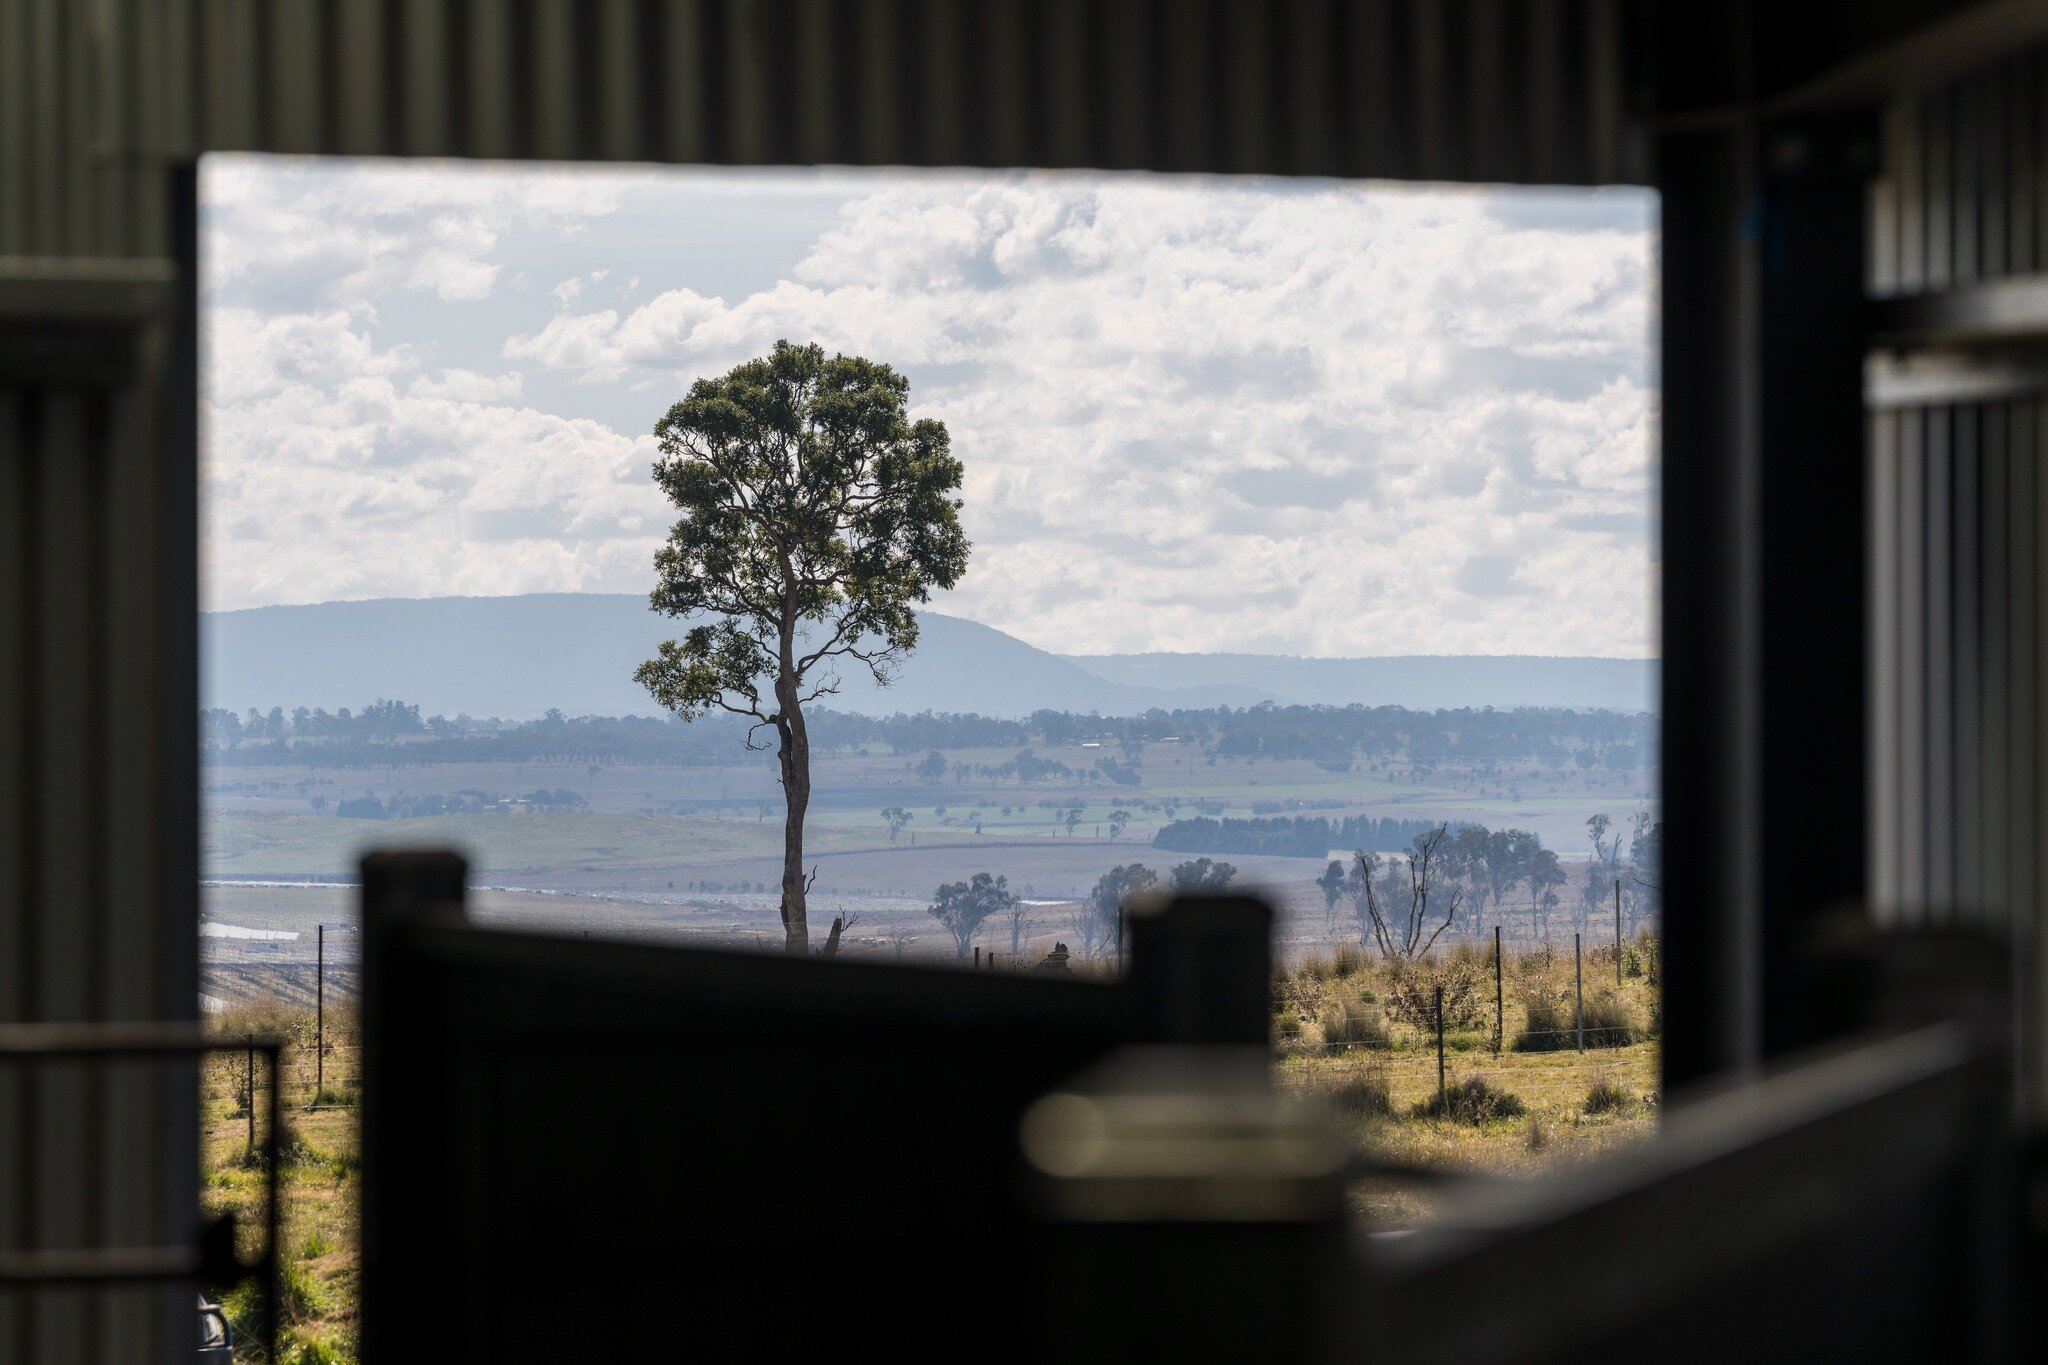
962 907
815 517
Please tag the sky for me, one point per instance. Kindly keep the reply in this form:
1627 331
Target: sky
1300 417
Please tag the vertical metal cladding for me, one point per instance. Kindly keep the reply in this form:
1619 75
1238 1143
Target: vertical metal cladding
106 104
92 93
1964 194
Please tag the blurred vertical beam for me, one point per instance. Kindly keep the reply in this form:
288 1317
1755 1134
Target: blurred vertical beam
170 698
1884 663
17 788
1909 646
1938 662
2027 818
1966 589
1710 980
68 892
1993 717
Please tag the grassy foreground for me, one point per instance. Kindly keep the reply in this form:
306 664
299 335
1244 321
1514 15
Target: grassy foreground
320 1156
1345 1029
1518 1095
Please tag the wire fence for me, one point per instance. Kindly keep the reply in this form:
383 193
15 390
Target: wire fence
1621 1075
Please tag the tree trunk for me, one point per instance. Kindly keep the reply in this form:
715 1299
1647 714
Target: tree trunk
794 752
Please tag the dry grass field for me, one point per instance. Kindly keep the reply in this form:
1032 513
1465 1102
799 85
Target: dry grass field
1346 1030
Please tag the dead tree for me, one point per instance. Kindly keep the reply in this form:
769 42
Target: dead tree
1403 931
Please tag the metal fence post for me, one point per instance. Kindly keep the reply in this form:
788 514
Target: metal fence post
1617 931
249 1095
1578 992
1440 1048
1499 998
320 1014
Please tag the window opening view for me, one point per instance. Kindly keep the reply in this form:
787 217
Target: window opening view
919 566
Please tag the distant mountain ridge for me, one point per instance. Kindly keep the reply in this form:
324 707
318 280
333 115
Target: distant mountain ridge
516 657
1427 681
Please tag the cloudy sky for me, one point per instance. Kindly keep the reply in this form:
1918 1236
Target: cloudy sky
1195 414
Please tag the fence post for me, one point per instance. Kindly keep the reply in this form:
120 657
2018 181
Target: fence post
1499 999
1440 1048
320 1015
1617 931
977 959
1578 993
249 1096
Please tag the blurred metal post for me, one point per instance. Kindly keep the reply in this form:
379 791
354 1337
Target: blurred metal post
249 1094
1578 992
273 1189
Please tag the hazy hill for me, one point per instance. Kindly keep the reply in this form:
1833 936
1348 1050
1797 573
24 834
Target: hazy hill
515 657
1422 681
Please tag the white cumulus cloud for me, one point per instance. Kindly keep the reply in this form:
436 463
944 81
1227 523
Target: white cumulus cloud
1194 414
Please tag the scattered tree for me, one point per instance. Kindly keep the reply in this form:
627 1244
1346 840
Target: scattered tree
1098 919
897 818
962 907
1333 884
1202 875
815 517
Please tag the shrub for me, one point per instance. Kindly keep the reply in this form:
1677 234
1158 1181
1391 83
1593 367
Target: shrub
1354 1023
1473 1100
1547 1021
1549 1026
1411 995
1287 1028
1610 1022
1349 961
1361 1092
1606 1097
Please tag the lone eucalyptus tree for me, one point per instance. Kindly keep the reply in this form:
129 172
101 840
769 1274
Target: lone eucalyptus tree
815 516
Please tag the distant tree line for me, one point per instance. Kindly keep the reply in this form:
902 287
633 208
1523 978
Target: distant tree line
1303 836
387 732
222 728
468 801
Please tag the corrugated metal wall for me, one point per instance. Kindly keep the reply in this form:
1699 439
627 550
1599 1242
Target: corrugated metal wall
1529 90
96 866
104 104
1964 193
1959 515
